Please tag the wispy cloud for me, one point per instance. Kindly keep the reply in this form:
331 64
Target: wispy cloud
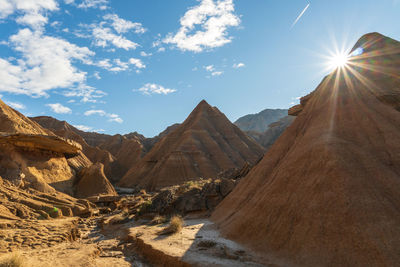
118 65
152 88
111 116
238 65
213 18
214 72
59 108
122 26
15 105
101 4
83 128
301 14
109 32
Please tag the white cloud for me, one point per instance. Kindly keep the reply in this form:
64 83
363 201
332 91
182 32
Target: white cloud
35 20
31 10
144 54
83 128
104 36
214 20
97 75
87 93
117 65
209 68
217 73
114 117
137 62
60 109
15 105
111 117
6 8
123 26
110 32
101 4
46 64
152 88
94 111
238 65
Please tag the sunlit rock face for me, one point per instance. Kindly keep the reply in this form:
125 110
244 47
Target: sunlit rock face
117 153
93 182
33 157
205 144
327 193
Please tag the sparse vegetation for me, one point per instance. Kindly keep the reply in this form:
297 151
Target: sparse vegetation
12 260
175 226
158 220
144 207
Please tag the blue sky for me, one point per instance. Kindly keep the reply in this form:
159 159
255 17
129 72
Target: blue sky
119 66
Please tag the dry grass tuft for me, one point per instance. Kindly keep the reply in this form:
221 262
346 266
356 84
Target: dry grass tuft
158 220
12 260
175 226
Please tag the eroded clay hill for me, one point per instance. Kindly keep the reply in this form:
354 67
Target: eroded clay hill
327 193
117 153
33 157
205 144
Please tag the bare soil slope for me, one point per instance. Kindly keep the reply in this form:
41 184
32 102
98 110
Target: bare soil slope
327 193
202 146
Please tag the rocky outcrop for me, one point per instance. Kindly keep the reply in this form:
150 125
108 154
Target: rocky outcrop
268 138
41 142
202 146
191 197
93 182
259 122
17 203
327 193
32 157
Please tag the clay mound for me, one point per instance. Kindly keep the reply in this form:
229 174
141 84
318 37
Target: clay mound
117 153
93 182
17 203
202 146
327 193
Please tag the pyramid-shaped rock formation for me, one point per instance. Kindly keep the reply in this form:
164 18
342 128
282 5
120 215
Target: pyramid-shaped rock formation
202 146
327 193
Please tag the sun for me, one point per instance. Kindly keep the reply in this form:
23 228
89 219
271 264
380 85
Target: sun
339 60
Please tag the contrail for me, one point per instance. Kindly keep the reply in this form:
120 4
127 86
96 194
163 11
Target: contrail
301 14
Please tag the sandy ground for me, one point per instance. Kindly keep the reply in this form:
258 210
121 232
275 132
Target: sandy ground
198 244
47 244
90 243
